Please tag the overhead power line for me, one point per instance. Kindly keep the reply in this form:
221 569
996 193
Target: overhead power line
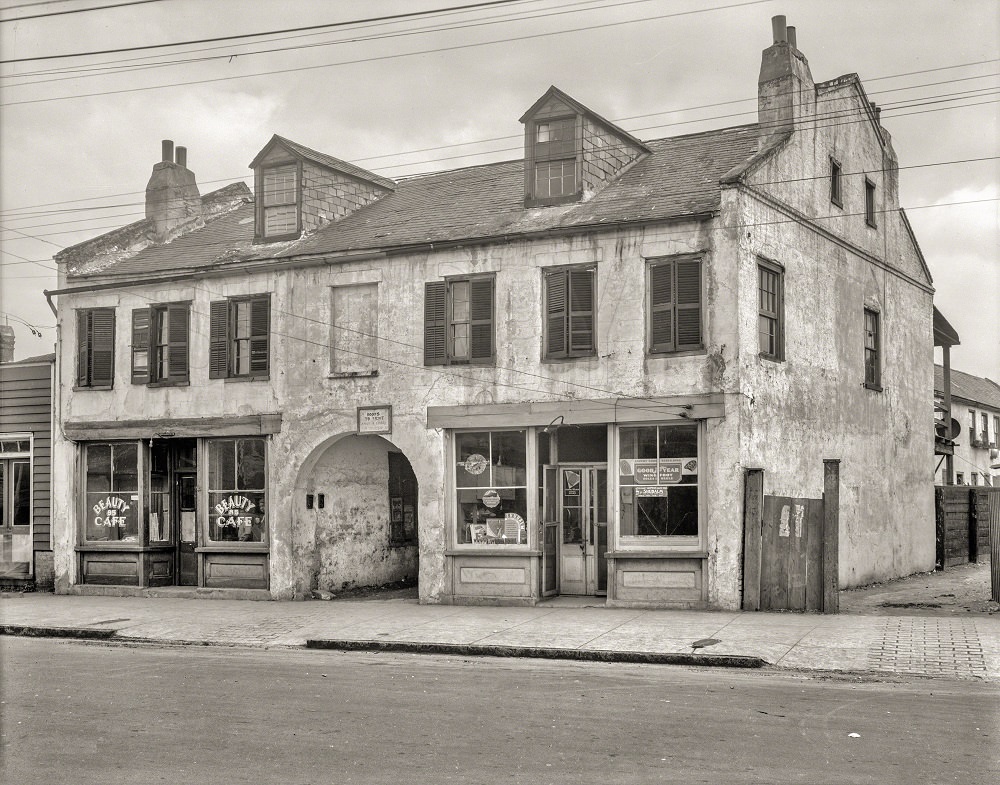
67 11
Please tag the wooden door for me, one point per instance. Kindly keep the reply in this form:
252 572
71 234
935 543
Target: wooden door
185 484
574 524
549 576
791 569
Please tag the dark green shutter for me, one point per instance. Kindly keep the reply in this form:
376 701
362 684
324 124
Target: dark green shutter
481 318
177 346
581 314
82 348
218 340
140 345
688 304
661 307
102 347
435 322
556 307
260 329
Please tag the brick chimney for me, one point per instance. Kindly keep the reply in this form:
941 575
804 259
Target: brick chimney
6 343
786 92
173 202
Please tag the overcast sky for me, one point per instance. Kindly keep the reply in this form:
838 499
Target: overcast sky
74 136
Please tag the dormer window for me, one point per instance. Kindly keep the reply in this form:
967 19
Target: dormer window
554 159
281 201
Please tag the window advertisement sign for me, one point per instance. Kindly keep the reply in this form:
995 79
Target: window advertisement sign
658 480
491 488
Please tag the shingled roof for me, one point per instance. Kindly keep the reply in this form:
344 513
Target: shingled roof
678 178
974 389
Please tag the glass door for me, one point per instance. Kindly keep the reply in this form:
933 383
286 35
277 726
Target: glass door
550 531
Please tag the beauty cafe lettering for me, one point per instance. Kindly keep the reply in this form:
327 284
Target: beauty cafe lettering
236 511
111 511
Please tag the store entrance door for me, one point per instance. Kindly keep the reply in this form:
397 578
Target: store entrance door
173 483
583 529
185 493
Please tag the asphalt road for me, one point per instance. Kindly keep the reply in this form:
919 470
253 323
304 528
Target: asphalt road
82 713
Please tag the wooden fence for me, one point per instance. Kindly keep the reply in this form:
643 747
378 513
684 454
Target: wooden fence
962 518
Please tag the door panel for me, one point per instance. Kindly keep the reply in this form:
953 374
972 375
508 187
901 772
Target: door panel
550 530
574 526
187 560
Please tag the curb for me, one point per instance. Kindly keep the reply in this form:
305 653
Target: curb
581 655
27 631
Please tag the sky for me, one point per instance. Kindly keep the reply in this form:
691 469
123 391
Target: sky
79 135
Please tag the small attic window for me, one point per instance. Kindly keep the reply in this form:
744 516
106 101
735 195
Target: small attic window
281 201
552 153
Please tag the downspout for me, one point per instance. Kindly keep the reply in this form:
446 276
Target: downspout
56 427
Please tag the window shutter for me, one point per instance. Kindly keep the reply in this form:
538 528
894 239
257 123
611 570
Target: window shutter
82 348
661 307
260 328
177 347
481 318
140 346
218 340
555 313
435 319
102 372
689 304
581 315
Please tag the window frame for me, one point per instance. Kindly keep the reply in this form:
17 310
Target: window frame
262 235
675 307
568 350
455 505
996 431
870 212
972 426
136 496
777 315
872 349
86 348
222 337
836 183
147 339
681 543
210 492
7 460
984 423
439 321
565 152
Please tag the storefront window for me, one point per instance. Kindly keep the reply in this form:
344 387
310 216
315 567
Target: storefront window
113 492
236 490
658 481
491 485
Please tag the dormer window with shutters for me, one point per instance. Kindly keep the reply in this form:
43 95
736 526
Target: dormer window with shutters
570 152
298 190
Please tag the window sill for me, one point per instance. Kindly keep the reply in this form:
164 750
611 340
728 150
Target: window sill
353 374
552 201
655 354
185 383
871 225
240 379
771 358
278 238
102 387
570 358
837 203
872 387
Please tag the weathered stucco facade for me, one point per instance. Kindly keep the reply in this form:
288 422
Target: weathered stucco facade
559 439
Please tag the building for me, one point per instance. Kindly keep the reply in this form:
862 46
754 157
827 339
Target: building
975 412
536 377
25 449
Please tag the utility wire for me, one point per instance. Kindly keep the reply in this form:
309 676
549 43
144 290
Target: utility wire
69 11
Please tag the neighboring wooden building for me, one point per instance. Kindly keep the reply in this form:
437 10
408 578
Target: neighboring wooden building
25 452
535 377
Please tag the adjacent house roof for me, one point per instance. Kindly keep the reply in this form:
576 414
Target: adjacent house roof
679 178
973 389
40 359
944 333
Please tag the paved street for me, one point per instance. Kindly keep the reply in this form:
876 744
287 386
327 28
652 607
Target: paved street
91 713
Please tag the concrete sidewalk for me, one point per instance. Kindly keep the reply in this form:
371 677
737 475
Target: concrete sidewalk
948 647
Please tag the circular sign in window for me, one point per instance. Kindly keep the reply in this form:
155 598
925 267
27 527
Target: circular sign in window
475 464
491 499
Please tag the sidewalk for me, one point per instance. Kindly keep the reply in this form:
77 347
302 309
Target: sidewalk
936 646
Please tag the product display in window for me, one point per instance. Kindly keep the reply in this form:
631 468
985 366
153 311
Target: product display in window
658 481
491 488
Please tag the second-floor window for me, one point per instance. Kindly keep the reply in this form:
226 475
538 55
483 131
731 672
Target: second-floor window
972 425
570 312
674 292
873 360
870 203
996 430
160 344
95 348
984 428
458 321
770 311
836 184
281 196
239 338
